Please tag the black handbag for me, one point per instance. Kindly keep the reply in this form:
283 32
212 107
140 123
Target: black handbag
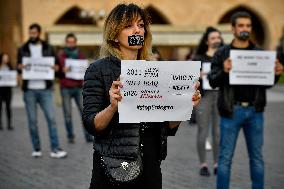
122 171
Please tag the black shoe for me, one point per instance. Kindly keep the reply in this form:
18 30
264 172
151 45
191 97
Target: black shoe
204 171
10 127
215 170
71 140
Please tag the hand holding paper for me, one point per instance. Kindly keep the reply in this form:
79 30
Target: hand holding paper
75 68
114 94
278 67
196 96
227 65
155 91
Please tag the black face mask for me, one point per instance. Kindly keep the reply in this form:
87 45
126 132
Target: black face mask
216 45
134 40
244 36
34 40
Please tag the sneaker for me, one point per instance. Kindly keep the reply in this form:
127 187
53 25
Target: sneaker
58 153
204 171
36 154
208 146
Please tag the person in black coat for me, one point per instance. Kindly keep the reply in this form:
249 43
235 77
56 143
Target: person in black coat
6 92
101 95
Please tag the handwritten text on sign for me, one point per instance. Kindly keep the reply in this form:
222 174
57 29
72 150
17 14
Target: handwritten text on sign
77 68
252 67
155 91
38 68
8 78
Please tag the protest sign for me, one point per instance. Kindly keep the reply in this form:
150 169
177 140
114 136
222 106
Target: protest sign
252 67
155 91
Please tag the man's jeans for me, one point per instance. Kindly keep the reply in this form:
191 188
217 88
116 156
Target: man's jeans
45 100
252 124
67 94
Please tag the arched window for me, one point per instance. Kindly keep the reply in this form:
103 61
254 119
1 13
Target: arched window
156 16
258 31
75 15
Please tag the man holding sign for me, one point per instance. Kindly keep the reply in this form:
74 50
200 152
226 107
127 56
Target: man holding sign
38 90
70 83
240 105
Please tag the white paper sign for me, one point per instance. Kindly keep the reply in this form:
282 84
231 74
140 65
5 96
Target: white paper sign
78 68
206 67
8 78
252 67
38 68
156 91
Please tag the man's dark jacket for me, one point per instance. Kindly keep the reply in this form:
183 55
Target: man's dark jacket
24 51
218 78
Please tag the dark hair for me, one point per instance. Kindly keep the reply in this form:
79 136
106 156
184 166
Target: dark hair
203 47
241 14
156 51
9 63
70 35
35 26
188 56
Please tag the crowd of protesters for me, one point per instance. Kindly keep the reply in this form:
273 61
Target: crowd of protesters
224 109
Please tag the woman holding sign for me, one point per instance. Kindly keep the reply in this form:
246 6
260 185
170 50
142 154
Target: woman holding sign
125 155
207 112
6 92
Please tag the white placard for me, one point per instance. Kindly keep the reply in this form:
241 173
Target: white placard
206 68
252 67
156 91
8 78
77 68
38 68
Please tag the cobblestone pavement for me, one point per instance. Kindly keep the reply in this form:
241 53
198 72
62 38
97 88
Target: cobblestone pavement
18 170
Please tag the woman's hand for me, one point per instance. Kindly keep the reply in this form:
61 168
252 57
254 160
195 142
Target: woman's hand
104 117
114 94
195 99
196 96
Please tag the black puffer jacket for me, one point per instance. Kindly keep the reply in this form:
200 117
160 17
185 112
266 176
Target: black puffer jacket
218 78
117 139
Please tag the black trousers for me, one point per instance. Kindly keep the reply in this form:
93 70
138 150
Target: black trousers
6 97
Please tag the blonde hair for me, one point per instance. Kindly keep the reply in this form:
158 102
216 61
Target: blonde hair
117 20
